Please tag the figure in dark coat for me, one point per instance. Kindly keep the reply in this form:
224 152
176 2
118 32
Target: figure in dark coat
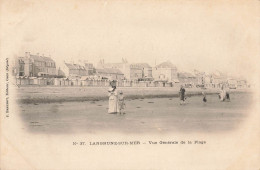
182 94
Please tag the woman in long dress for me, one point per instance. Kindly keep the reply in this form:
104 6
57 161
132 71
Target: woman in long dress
113 100
222 94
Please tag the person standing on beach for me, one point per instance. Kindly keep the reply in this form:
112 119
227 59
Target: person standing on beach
227 94
222 94
182 94
204 97
113 100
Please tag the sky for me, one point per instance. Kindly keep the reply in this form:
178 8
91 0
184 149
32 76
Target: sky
201 35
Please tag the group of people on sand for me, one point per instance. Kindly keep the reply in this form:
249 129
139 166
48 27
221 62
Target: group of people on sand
223 95
117 102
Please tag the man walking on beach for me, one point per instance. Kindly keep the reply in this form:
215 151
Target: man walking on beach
182 95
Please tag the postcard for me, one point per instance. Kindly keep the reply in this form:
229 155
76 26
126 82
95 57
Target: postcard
129 85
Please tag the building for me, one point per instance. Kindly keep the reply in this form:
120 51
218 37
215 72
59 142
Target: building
242 83
124 67
131 71
89 68
232 83
187 78
218 79
200 77
81 71
74 70
69 69
20 67
136 72
208 81
141 70
165 71
213 80
35 66
110 73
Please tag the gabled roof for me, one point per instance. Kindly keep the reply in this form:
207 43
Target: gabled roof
77 66
36 57
48 59
166 64
70 66
41 58
109 71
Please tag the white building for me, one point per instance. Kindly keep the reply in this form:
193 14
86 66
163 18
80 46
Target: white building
165 71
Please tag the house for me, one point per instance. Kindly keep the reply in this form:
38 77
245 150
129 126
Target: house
50 66
232 83
218 79
143 68
131 71
36 66
124 67
165 71
187 78
81 69
69 69
136 72
242 83
20 69
74 70
204 79
208 81
110 73
200 78
89 68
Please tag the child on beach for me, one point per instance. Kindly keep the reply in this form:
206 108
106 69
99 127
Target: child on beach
121 103
204 97
227 95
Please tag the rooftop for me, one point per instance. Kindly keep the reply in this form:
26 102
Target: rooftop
70 66
41 58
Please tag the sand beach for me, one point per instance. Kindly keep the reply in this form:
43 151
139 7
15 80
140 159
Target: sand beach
50 94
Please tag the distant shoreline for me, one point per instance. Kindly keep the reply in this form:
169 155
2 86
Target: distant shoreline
36 95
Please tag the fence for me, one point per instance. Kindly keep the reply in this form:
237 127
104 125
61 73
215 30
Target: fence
23 81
